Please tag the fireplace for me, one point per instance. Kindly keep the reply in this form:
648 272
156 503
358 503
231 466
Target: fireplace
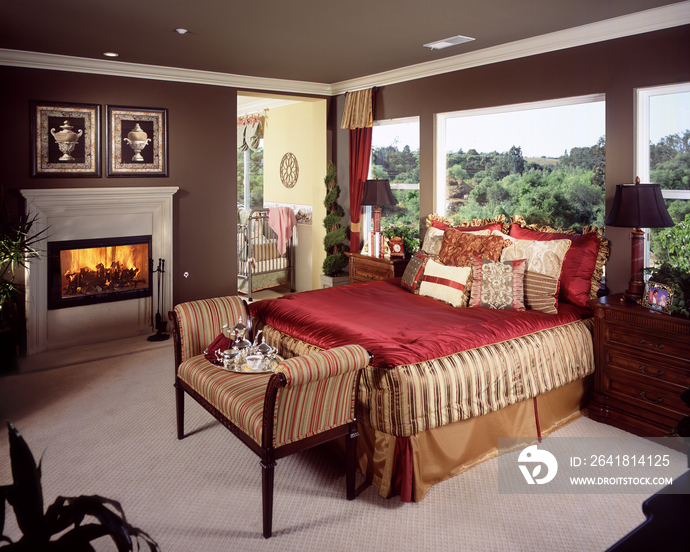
75 214
87 272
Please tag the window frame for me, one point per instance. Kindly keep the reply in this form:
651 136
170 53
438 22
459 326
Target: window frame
440 153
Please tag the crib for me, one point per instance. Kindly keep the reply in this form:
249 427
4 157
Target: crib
259 264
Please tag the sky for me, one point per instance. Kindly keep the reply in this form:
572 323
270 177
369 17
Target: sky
547 132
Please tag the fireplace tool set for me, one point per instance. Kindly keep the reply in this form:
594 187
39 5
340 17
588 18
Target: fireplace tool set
160 325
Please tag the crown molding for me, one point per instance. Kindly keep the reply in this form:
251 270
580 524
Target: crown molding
54 62
665 17
646 21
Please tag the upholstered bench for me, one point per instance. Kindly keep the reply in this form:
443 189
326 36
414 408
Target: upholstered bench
307 401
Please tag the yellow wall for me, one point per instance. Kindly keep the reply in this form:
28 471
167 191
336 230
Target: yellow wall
299 129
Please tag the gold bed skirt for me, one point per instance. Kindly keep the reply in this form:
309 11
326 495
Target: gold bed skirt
442 452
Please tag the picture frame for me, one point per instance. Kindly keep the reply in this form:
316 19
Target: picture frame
74 151
137 141
657 296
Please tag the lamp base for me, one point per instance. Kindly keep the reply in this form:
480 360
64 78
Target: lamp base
635 289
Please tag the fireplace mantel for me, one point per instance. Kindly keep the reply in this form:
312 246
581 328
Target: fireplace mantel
85 213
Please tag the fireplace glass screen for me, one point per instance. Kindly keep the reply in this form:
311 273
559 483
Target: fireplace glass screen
85 272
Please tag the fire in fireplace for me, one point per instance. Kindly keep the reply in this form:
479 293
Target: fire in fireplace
85 272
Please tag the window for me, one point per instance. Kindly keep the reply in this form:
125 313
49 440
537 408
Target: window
663 157
250 178
544 160
395 157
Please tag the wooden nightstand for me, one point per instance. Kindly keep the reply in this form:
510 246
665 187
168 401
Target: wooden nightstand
364 268
643 365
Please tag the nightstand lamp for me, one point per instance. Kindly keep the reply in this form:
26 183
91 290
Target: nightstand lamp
638 206
377 192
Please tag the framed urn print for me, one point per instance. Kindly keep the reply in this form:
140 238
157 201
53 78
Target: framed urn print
137 141
65 139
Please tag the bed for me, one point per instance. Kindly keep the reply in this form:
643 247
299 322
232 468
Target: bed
451 375
260 264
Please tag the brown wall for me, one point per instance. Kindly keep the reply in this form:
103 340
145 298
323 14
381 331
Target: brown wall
202 162
614 68
202 134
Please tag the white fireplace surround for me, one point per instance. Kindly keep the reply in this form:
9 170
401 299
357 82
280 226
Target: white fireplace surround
90 213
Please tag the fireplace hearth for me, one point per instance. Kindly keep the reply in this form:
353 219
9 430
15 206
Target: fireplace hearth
87 272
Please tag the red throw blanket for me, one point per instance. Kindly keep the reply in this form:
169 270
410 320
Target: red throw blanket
397 326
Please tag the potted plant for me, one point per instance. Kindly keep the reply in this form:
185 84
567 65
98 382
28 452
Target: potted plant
25 495
18 241
335 264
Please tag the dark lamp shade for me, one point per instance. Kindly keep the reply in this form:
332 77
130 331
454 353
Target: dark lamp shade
377 192
639 206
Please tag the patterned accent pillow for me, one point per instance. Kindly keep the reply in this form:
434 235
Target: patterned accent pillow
540 291
412 278
498 285
458 247
544 258
433 239
445 283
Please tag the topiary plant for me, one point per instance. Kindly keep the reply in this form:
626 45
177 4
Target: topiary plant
335 262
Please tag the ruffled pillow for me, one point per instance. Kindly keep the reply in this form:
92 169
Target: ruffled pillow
445 283
544 263
498 285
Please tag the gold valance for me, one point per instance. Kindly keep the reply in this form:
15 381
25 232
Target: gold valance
358 111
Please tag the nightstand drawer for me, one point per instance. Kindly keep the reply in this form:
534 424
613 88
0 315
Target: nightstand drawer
646 341
662 399
650 368
369 273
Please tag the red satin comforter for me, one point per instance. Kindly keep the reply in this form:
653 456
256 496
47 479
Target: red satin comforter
397 326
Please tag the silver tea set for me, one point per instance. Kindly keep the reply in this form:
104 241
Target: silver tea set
245 356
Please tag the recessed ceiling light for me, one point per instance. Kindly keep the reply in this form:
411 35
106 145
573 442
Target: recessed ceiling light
110 54
182 31
446 42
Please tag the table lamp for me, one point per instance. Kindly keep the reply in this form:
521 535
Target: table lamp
377 192
638 206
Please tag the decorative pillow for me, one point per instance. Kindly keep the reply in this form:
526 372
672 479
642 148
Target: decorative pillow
546 259
583 264
432 240
458 247
445 283
441 222
412 277
498 285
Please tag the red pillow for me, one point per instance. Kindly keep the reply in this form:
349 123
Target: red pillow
578 264
440 225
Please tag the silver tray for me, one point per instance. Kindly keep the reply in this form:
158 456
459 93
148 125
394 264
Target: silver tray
264 368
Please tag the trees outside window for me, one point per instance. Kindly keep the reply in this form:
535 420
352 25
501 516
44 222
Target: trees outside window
663 157
545 161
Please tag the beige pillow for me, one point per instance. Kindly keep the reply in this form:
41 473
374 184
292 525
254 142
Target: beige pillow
445 283
544 261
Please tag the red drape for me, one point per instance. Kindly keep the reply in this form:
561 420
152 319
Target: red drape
360 154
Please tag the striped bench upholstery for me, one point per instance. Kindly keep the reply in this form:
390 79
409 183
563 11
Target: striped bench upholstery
308 400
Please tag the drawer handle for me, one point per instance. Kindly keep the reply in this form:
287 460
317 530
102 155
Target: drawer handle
658 401
659 346
657 375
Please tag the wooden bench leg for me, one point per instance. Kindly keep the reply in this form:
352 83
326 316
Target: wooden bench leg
179 402
351 460
267 469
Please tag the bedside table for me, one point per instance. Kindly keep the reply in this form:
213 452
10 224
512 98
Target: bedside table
364 268
642 366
